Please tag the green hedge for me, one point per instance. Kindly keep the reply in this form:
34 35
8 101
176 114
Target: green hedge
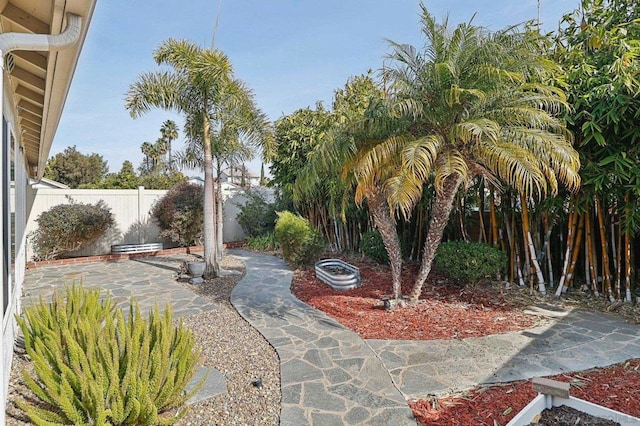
468 262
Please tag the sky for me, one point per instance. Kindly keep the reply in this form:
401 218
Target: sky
291 53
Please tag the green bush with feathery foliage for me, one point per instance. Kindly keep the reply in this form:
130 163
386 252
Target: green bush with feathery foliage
94 366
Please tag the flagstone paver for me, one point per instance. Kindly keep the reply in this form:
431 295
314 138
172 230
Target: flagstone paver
329 375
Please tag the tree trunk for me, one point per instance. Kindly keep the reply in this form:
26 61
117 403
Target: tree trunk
210 255
384 223
440 212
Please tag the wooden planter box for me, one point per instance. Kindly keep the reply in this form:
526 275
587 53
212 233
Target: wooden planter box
554 394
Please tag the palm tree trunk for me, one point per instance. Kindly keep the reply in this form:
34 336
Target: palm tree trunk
210 255
440 212
384 223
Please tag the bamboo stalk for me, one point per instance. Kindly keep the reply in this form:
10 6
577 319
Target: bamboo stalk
532 250
618 259
591 255
627 253
575 252
482 235
493 219
547 245
571 222
606 272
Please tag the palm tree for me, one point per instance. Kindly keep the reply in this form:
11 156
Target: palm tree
238 128
192 87
169 132
146 149
477 106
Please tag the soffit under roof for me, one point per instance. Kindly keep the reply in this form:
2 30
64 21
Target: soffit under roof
38 82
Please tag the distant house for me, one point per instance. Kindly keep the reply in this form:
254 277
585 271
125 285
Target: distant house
240 176
40 43
229 189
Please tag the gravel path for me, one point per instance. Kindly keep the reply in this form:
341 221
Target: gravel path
228 344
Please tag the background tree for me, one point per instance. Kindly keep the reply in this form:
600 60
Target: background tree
598 46
126 178
74 169
169 132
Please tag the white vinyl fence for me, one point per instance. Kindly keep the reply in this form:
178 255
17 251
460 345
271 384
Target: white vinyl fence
131 209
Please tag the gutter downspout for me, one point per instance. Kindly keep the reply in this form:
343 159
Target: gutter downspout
33 42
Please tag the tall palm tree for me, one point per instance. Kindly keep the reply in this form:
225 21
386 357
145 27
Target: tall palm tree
169 132
478 105
192 87
238 129
146 149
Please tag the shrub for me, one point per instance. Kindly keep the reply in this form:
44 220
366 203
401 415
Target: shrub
92 367
266 242
299 241
69 227
256 217
180 214
469 262
371 245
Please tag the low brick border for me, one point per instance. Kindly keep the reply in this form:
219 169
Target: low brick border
119 257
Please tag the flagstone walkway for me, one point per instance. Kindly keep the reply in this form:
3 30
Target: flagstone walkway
329 375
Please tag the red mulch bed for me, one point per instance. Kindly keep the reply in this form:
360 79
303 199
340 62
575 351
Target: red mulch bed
615 387
447 311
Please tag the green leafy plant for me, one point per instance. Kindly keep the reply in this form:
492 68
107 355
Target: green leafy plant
257 216
299 241
180 214
468 262
372 246
69 227
93 366
265 242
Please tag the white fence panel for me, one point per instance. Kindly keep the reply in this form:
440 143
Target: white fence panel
130 207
